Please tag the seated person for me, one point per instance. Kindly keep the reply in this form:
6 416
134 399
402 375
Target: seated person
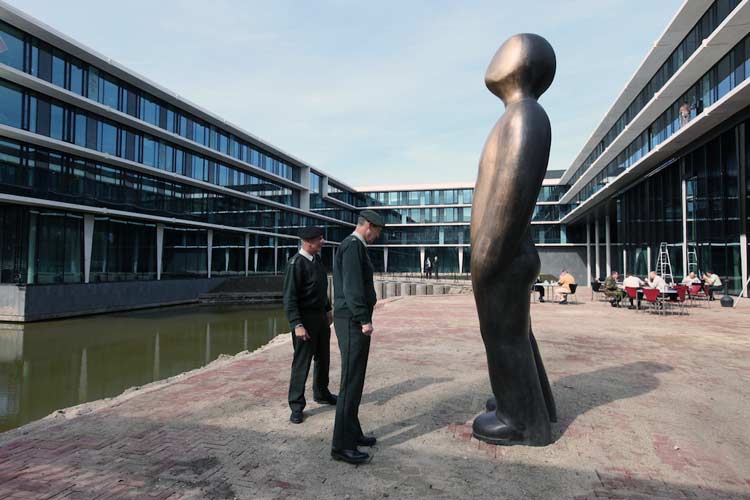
563 289
656 281
612 291
713 283
633 281
538 287
691 279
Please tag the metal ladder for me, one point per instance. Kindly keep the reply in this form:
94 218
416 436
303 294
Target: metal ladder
692 261
663 265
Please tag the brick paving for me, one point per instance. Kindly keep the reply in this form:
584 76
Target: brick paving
650 407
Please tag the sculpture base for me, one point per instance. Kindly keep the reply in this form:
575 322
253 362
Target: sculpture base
489 429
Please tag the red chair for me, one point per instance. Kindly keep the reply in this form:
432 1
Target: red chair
653 297
682 295
632 293
697 292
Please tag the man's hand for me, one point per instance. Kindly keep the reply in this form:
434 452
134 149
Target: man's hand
367 329
329 317
301 333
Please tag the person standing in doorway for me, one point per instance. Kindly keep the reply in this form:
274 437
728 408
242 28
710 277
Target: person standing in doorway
354 300
428 267
308 310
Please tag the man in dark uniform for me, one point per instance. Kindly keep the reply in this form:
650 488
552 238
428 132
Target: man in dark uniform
308 310
354 297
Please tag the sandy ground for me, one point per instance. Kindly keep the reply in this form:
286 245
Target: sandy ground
649 407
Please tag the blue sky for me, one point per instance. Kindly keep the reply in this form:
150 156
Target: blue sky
386 92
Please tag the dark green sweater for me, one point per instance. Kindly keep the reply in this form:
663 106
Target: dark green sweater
353 289
305 288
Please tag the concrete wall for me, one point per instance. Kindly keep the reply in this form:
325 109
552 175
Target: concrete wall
38 302
571 258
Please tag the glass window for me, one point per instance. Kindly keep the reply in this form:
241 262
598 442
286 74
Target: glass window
11 47
59 244
80 129
185 253
149 151
109 94
11 106
724 75
76 78
56 122
93 84
58 70
123 250
108 138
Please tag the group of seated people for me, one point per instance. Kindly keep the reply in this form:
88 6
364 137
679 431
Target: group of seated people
616 291
562 290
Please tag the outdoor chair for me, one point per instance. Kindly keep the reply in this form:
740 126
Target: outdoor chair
682 296
573 292
632 293
653 297
697 292
596 287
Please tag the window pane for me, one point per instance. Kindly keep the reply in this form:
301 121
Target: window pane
10 106
11 47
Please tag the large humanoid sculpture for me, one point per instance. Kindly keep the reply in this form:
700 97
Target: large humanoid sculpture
504 261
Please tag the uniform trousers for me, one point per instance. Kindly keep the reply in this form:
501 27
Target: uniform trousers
318 347
355 350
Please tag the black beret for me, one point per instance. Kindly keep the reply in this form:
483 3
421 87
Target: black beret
373 217
310 233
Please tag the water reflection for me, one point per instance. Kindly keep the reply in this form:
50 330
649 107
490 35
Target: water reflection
56 364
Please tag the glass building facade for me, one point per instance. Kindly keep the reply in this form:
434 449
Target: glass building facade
434 221
683 181
105 176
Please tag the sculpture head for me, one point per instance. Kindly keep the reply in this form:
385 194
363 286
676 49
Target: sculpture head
523 66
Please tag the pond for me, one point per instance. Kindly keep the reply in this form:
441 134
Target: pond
50 365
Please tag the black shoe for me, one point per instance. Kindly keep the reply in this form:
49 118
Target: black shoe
491 404
613 303
296 417
367 441
350 456
563 301
331 399
541 301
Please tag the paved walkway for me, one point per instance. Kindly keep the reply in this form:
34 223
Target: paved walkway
649 407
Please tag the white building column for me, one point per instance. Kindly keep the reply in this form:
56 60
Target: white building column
209 249
743 261
208 343
648 258
684 229
304 195
460 260
88 242
83 377
588 252
247 254
385 259
596 248
275 256
607 246
421 260
159 248
624 262
157 355
255 260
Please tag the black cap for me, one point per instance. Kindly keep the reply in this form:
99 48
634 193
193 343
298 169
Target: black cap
310 233
373 217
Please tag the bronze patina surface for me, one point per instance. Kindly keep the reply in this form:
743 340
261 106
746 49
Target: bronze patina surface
504 261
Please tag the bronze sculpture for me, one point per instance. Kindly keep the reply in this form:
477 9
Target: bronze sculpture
504 261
